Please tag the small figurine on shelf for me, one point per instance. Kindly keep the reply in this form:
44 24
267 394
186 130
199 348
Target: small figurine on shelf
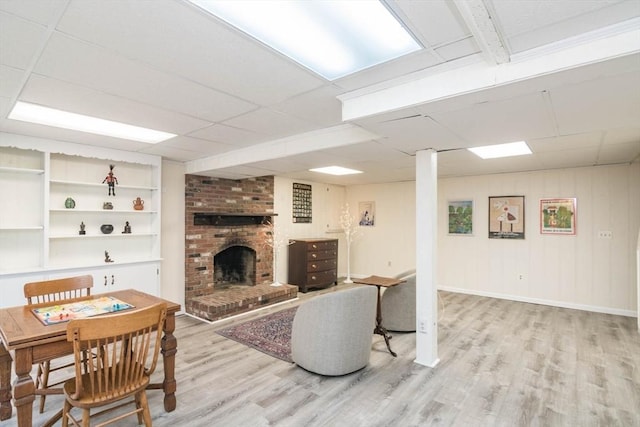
127 228
107 205
138 204
106 257
111 181
82 232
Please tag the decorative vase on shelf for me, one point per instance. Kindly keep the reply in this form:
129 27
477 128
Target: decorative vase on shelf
138 204
106 228
69 203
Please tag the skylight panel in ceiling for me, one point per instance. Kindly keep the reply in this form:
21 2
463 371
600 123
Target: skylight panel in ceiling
331 38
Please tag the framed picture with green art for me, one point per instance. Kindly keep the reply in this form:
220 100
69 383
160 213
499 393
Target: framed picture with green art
460 217
558 216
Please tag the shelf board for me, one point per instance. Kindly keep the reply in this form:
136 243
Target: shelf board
95 184
113 235
127 211
22 170
22 228
56 267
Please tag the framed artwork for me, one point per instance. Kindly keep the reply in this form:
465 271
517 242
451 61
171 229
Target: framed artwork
558 216
367 214
460 215
301 203
506 217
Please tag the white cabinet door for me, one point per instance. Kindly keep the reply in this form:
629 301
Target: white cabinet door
11 288
144 277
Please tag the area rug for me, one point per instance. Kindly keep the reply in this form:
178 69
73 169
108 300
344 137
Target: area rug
270 334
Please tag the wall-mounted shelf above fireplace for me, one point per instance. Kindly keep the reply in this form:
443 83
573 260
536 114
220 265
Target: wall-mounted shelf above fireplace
231 219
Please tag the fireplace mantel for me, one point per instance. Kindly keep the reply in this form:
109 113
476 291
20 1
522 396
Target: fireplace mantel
223 219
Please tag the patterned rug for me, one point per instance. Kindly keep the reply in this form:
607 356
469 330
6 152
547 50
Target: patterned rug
270 334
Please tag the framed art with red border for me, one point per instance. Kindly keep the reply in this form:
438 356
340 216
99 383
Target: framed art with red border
558 216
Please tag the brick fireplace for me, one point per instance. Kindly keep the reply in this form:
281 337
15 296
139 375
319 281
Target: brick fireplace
229 265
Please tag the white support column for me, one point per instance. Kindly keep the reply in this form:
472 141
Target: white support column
426 258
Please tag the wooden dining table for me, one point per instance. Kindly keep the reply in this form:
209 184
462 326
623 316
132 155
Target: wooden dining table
32 342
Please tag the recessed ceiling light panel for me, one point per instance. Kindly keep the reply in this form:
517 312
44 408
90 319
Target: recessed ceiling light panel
331 38
519 148
336 170
32 113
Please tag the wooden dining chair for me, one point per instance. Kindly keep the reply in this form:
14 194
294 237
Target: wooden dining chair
126 347
54 291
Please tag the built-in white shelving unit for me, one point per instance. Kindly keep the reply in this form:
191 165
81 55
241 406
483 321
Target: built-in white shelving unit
40 235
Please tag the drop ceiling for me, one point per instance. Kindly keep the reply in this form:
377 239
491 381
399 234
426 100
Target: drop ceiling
562 75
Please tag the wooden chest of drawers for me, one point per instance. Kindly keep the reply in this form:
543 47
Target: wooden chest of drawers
313 263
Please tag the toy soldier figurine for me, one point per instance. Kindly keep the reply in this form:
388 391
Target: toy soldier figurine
111 181
107 258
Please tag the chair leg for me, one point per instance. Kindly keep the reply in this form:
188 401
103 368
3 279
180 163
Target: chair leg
86 415
65 413
43 381
146 414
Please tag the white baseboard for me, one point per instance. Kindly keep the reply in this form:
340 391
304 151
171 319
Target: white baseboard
596 309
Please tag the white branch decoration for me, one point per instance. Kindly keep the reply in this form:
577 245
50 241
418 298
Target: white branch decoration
350 229
275 241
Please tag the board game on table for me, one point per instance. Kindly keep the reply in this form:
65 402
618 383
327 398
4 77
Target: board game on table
59 313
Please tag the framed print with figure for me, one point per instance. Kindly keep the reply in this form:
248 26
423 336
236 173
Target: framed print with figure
460 216
367 213
506 217
558 216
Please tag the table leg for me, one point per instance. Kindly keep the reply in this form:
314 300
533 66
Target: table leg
381 330
169 346
5 383
24 389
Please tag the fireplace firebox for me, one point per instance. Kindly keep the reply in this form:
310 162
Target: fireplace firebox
235 265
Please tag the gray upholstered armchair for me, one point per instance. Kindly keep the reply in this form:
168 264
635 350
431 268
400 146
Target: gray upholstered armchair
332 333
398 304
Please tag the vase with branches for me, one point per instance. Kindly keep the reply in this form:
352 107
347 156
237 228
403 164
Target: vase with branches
349 227
275 241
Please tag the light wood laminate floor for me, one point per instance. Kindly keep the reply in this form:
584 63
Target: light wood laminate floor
502 363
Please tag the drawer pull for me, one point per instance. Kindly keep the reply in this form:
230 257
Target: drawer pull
313 277
314 246
314 256
314 266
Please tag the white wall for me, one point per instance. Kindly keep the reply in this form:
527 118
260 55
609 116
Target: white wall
581 271
389 247
326 202
172 250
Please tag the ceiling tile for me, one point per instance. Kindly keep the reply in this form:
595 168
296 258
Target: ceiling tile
229 135
77 99
612 102
564 143
183 40
619 153
10 81
270 123
80 63
515 119
20 40
39 11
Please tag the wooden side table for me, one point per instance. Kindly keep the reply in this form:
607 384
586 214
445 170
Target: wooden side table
379 282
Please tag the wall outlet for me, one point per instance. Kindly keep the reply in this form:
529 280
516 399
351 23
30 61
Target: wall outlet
604 234
422 325
520 276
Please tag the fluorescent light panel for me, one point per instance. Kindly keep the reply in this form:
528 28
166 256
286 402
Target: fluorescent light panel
32 113
336 170
511 149
331 38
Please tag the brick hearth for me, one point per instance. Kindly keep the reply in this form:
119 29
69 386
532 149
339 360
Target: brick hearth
235 300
